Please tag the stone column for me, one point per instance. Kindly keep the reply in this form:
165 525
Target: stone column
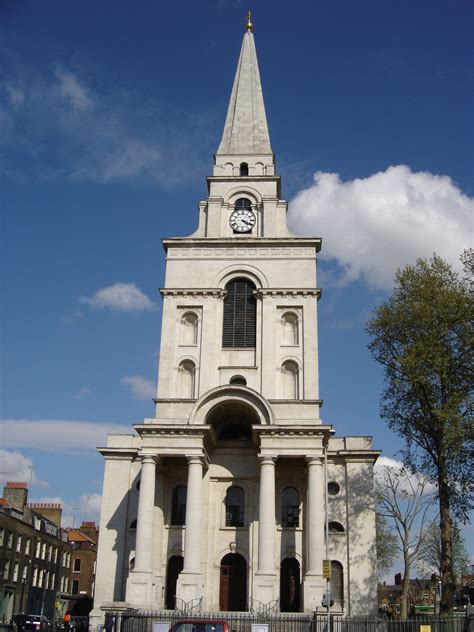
192 533
265 587
314 584
316 516
146 506
266 516
190 584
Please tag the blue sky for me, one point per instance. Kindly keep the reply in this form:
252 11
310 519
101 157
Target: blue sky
109 116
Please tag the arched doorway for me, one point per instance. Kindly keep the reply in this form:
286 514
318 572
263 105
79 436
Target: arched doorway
175 566
290 585
233 583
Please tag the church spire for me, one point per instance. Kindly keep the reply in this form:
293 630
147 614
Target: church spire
246 129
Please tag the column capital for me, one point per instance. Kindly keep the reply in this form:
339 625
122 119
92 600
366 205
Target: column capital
315 460
195 458
146 457
267 460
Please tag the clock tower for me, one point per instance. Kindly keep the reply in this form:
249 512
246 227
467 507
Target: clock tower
218 501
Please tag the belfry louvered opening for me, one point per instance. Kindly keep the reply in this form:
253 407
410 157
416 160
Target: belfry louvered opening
240 313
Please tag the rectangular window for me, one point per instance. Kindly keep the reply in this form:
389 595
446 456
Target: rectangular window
27 546
18 544
35 576
6 570
2 536
43 551
25 572
38 548
10 540
77 565
75 586
55 554
16 569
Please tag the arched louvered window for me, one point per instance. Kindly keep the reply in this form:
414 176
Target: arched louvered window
244 169
290 507
240 314
178 505
234 507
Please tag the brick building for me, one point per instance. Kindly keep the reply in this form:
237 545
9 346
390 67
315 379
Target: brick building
35 556
84 555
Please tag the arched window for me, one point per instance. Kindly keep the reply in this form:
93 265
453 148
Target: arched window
336 527
234 507
289 372
337 583
178 505
238 379
290 329
290 507
240 314
243 204
186 375
244 169
189 327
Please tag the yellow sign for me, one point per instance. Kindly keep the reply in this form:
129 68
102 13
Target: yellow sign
425 628
327 575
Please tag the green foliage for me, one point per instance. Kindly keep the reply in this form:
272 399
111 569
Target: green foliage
423 336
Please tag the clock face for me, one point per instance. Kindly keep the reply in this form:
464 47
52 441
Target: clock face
242 221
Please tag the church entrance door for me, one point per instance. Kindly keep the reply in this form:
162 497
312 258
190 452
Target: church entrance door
233 583
290 585
175 566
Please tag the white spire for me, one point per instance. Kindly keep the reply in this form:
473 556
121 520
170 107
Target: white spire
246 129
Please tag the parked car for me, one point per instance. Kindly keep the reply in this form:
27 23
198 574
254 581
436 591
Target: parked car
31 623
200 625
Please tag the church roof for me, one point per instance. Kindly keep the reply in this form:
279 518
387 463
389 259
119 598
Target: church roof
246 129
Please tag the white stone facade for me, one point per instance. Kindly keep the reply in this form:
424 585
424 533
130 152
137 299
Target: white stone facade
237 425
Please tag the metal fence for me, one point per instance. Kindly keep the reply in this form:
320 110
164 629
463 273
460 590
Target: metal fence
298 622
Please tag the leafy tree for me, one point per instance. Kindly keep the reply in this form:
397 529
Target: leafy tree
423 336
403 498
430 553
386 542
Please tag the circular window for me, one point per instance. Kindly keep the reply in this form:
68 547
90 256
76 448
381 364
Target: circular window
333 488
239 380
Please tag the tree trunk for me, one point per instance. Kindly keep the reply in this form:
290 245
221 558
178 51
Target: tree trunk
448 585
405 587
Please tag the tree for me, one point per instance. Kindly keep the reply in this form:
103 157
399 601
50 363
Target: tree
386 542
402 498
429 561
423 337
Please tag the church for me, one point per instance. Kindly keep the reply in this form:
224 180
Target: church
236 493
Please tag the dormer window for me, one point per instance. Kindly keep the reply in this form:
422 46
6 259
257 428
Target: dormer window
244 169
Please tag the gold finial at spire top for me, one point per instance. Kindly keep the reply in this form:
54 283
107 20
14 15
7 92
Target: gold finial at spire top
249 24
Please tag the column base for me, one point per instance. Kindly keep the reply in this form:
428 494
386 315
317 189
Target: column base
189 587
265 587
145 590
314 587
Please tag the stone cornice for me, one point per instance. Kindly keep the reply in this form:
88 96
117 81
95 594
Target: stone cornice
294 291
356 456
215 292
292 430
261 292
171 430
257 242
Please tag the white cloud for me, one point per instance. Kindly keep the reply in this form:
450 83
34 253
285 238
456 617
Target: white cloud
141 387
374 225
82 392
57 435
15 96
386 464
14 466
72 91
125 297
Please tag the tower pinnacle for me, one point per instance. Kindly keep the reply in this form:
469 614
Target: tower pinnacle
249 24
246 129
